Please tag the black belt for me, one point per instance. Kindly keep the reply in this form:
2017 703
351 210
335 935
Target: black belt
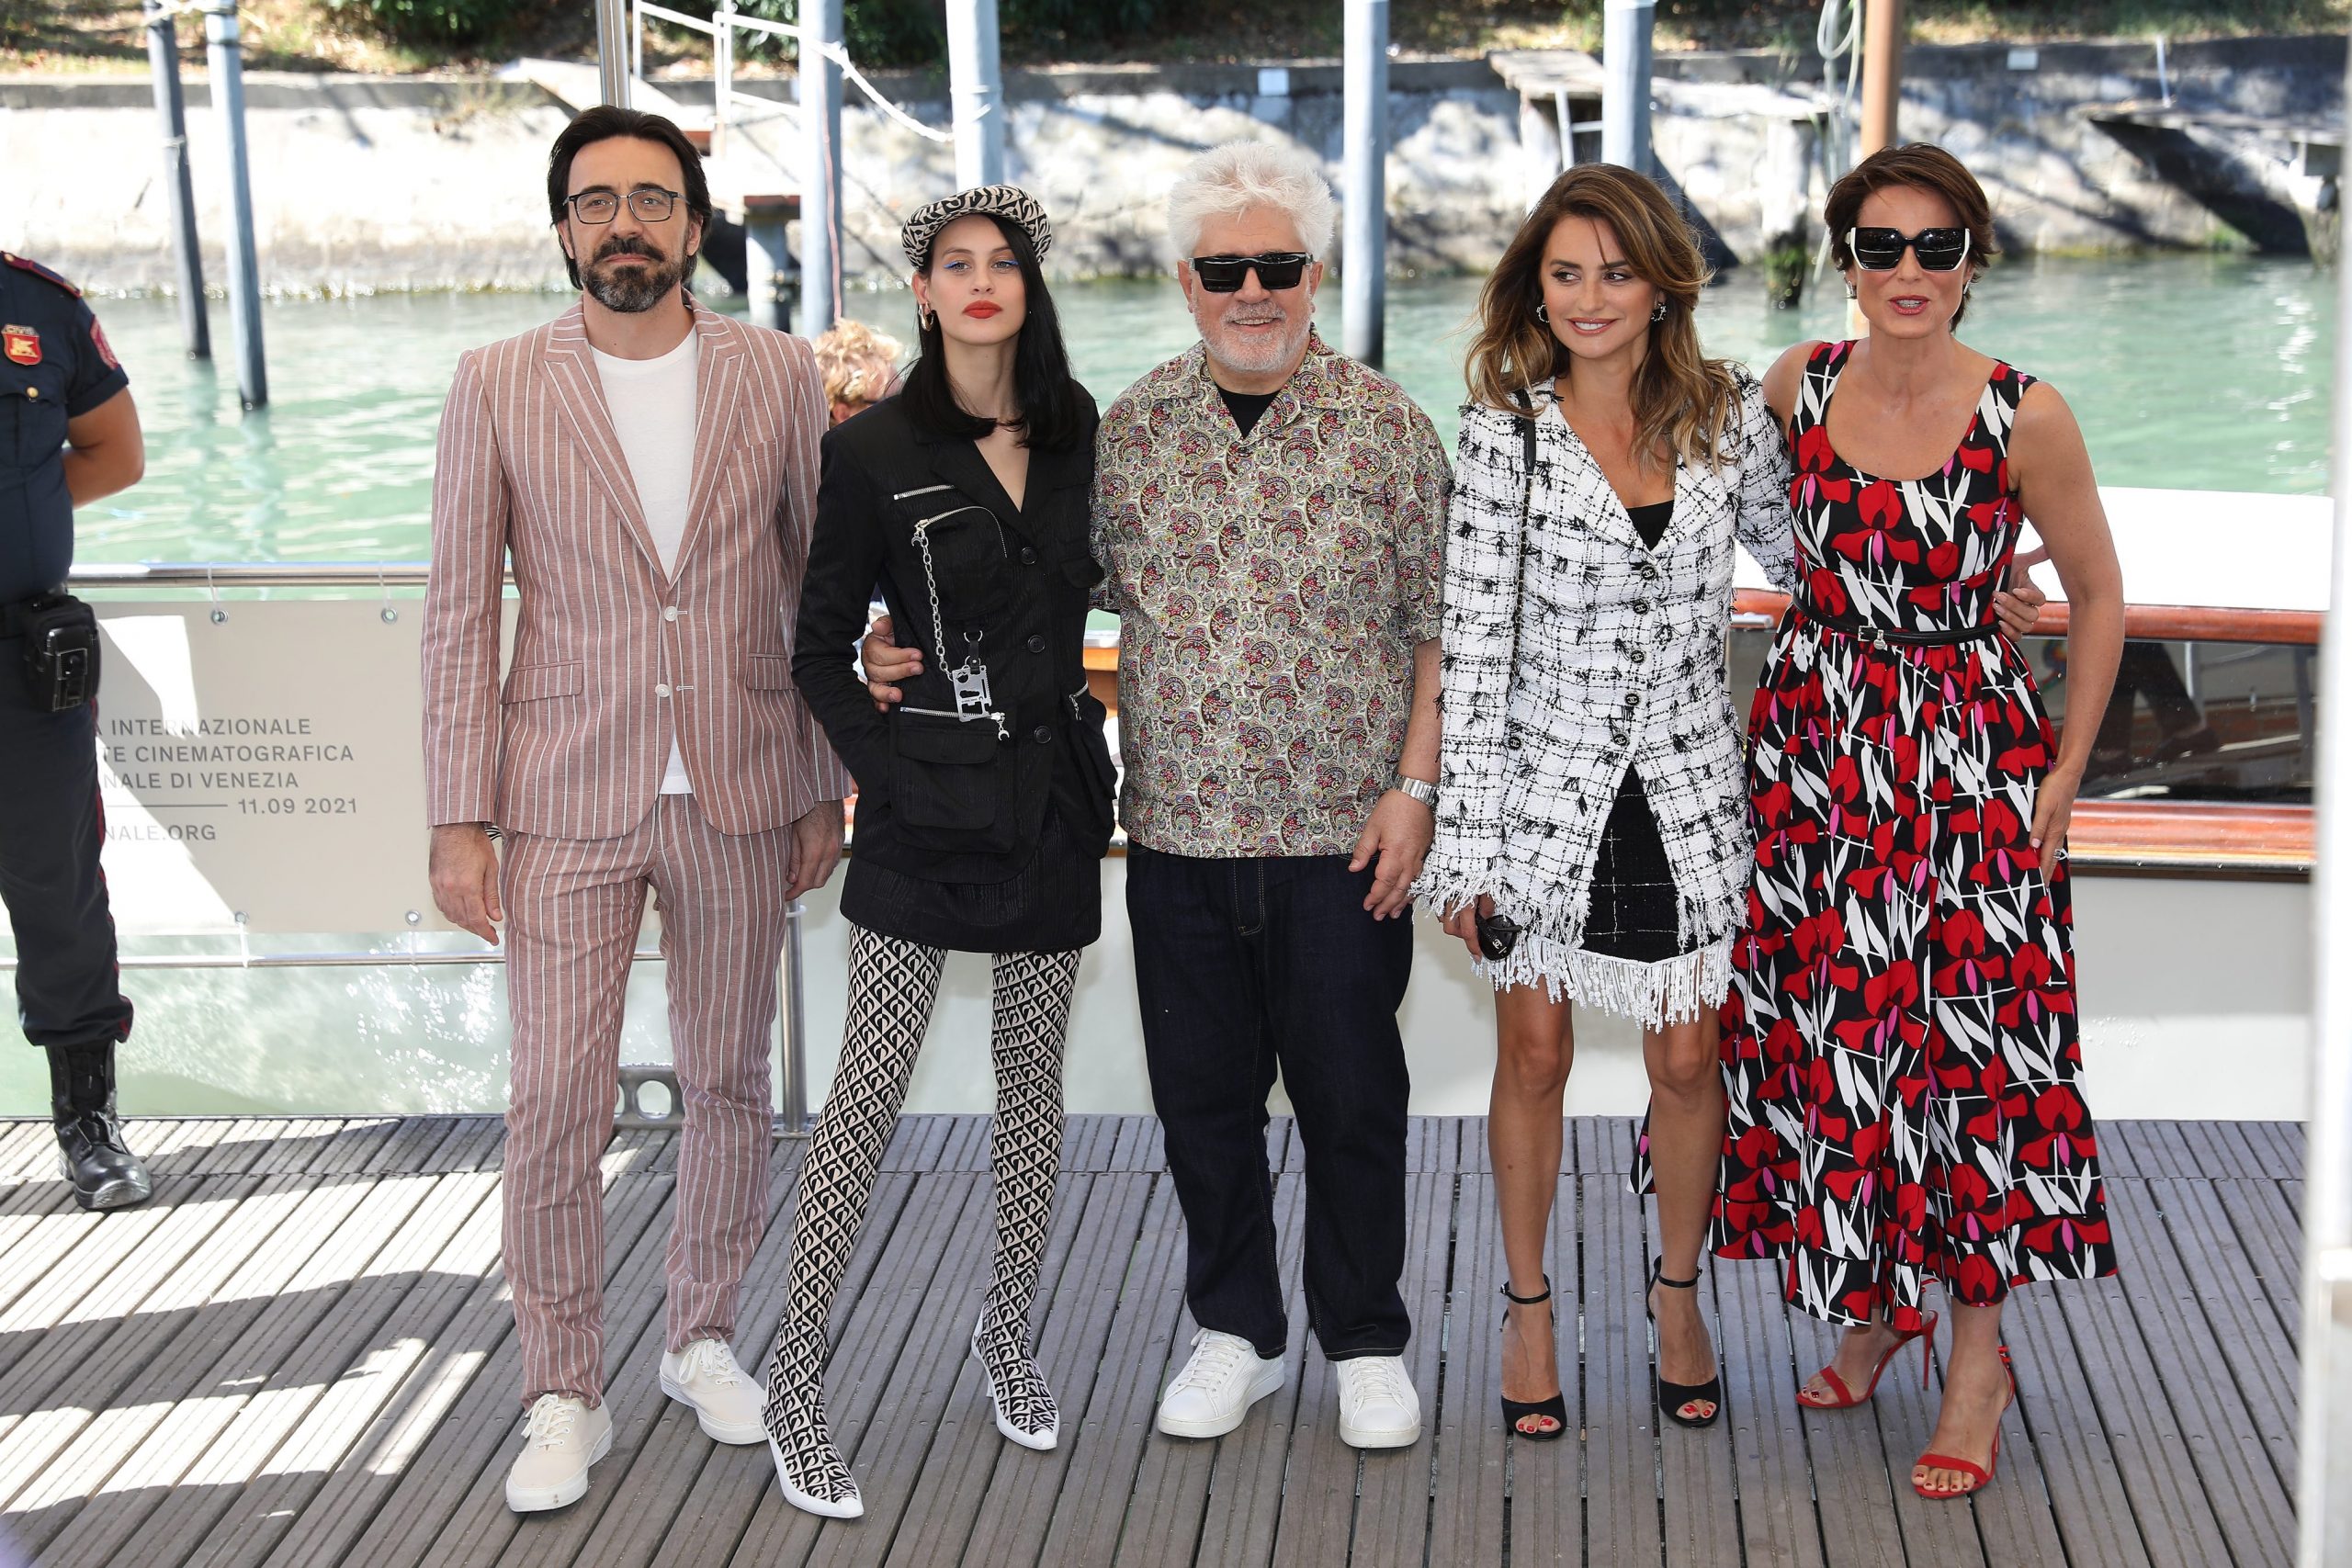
12 617
1863 632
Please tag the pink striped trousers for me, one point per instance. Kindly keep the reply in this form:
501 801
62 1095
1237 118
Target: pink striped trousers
574 907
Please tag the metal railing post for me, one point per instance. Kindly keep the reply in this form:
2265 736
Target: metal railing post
1626 98
820 165
1364 260
636 43
722 74
613 51
221 49
179 195
976 91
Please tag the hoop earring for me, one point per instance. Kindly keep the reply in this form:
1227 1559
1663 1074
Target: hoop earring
923 317
1543 313
1658 314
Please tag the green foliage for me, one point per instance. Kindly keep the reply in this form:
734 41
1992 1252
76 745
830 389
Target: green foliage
914 32
426 21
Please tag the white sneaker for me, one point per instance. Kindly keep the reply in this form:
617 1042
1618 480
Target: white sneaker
1378 1408
1217 1386
704 1378
562 1437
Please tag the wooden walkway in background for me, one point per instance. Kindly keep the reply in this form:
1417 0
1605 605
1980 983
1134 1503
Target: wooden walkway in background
300 1353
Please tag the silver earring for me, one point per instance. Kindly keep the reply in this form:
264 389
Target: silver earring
1660 313
1850 292
923 318
1543 313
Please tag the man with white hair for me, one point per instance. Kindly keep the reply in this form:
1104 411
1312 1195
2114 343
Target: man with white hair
1272 518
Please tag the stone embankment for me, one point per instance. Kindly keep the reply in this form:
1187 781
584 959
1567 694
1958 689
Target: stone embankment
369 183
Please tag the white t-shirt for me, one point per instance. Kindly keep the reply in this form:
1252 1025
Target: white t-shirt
652 405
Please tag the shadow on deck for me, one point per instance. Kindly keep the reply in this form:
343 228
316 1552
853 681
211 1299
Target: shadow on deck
300 1352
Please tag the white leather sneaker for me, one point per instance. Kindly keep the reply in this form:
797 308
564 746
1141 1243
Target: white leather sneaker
562 1437
704 1378
1378 1408
1217 1386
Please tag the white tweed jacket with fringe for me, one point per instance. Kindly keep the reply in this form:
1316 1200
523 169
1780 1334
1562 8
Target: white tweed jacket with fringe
1573 651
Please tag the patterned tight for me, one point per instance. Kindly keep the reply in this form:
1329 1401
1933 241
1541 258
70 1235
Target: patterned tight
893 985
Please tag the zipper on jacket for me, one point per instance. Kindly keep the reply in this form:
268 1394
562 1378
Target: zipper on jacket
1003 732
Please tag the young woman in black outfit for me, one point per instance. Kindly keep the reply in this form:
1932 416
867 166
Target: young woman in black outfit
984 800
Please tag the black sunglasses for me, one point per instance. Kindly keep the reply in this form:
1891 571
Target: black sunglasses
1277 270
1880 250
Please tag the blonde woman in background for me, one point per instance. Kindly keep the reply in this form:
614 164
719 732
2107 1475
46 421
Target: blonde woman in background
860 366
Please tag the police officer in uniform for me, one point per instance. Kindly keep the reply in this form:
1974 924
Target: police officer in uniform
68 435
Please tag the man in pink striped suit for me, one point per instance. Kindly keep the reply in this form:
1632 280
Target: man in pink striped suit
650 468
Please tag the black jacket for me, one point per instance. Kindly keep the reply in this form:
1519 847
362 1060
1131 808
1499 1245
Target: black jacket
940 798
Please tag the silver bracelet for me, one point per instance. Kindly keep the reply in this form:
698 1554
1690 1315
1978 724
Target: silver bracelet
1420 789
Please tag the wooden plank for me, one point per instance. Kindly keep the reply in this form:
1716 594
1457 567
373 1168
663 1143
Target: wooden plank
2008 1524
327 1318
1695 1467
40 1224
1778 1529
1621 1420
1392 1522
2087 1496
1853 1489
2251 1310
1014 1516
470 1146
2118 1160
451 1507
2219 1150
1139 1354
2151 1462
183 1398
411 1144
971 1465
352 1146
2230 1444
1471 1465
2268 1228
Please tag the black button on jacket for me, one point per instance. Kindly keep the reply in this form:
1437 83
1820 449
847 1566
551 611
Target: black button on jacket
940 798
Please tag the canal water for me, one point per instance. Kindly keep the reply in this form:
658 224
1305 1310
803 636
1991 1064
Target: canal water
2197 372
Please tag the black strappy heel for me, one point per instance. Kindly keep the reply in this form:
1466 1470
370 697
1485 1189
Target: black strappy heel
1673 1396
1517 1410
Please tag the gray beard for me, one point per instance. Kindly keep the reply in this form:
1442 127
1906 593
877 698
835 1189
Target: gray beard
1274 355
635 292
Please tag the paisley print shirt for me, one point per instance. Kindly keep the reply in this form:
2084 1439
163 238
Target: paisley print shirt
1271 590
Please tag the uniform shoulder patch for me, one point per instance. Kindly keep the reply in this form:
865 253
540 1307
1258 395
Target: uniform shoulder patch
24 264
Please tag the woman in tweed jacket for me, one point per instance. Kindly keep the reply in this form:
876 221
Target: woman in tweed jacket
1592 814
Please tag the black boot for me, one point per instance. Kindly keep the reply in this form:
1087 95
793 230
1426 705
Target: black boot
91 1152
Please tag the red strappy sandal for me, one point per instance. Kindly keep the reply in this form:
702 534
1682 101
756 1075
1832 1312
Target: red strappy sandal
1847 1398
1979 1478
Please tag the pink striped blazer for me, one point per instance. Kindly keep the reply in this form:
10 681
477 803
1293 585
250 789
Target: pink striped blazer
611 657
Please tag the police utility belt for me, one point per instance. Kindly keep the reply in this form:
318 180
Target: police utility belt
61 657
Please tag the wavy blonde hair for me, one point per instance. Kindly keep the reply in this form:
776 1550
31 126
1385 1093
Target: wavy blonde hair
1683 403
860 365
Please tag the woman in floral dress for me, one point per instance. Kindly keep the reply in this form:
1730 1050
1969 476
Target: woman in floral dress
1900 1047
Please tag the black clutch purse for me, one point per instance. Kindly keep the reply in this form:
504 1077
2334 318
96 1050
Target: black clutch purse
1497 934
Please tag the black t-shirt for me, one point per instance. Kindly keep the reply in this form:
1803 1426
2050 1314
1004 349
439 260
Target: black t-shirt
55 365
1247 406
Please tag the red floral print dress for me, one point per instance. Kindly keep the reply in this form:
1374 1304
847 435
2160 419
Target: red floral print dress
1900 1044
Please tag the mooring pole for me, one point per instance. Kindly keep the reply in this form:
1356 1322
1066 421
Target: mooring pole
179 192
1625 29
244 269
820 164
1881 73
1363 274
613 34
976 91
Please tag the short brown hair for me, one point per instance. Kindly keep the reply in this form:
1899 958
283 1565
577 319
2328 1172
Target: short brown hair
1924 166
1683 402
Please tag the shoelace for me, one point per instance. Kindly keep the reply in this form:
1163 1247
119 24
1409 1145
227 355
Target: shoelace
1214 1362
552 1420
708 1357
1377 1379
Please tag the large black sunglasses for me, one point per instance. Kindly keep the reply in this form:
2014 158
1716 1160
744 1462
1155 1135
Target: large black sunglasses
1880 250
1277 270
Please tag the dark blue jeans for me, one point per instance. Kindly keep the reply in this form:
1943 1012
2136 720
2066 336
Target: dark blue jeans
1242 965
67 990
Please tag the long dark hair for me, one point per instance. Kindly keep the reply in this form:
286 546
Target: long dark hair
1050 399
604 122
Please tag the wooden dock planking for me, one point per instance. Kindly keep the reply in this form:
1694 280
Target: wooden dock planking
301 1353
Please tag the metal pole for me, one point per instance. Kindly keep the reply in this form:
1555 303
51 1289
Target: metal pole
820 165
245 270
187 264
612 51
1881 73
976 93
722 72
1363 277
636 43
1625 95
2324 1498
792 1119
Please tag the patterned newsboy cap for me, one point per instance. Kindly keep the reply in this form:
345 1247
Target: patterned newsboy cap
1009 202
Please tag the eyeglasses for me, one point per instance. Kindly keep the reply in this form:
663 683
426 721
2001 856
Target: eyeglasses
649 204
1277 270
1880 250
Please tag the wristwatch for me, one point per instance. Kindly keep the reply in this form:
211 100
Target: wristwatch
1420 789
